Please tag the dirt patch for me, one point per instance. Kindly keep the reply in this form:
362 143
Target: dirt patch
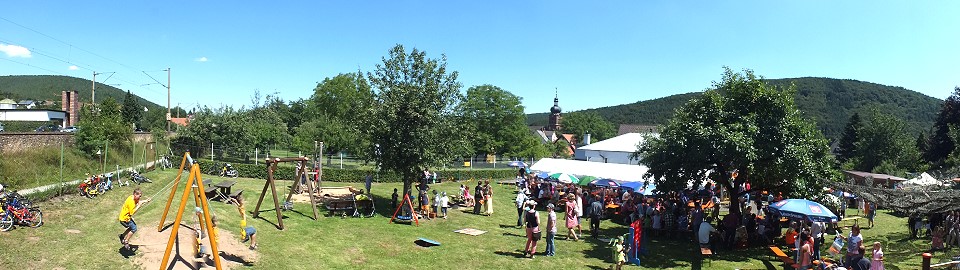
73 231
33 238
79 216
152 245
327 193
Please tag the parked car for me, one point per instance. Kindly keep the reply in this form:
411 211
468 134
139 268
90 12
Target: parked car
70 129
48 128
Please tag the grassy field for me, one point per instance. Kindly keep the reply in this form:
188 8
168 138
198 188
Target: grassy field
41 166
81 233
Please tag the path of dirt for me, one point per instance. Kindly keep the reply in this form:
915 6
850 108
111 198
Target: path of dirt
152 245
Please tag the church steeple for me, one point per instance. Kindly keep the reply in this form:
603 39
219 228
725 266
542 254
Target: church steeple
555 113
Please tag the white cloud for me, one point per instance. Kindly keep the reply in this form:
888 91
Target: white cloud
73 68
14 50
201 59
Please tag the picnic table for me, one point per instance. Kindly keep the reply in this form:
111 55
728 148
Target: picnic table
224 188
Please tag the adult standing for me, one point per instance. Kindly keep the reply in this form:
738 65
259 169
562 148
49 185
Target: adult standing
520 201
871 212
488 192
367 183
533 228
571 217
596 211
478 197
817 231
854 241
579 202
806 253
551 230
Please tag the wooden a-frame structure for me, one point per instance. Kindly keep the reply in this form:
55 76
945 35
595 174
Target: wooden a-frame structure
195 183
301 172
413 211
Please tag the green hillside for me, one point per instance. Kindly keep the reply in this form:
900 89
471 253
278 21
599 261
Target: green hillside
50 87
829 102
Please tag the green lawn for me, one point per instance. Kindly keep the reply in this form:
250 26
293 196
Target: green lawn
372 243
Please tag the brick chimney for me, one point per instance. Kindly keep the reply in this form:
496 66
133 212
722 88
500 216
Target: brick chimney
70 103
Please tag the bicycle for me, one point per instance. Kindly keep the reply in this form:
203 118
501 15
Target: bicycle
18 210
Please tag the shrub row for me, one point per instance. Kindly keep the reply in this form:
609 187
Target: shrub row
286 171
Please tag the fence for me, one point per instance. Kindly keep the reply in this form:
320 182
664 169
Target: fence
255 156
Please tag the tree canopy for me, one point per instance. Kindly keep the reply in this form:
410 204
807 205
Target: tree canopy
884 146
942 143
581 123
412 119
745 125
495 120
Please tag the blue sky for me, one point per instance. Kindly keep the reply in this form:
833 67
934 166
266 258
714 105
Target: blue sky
595 54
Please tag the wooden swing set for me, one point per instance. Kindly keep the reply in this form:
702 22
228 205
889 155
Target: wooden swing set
195 183
300 173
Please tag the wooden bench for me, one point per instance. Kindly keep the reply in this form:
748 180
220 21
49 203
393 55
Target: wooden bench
706 253
235 195
783 256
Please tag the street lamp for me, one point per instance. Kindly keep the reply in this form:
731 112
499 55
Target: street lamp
100 157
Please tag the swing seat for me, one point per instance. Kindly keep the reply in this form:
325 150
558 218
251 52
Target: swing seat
403 219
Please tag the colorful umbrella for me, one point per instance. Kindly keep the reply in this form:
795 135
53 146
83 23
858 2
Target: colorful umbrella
517 163
543 175
804 209
638 187
604 183
564 178
586 180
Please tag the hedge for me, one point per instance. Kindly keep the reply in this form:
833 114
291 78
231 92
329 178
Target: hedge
286 171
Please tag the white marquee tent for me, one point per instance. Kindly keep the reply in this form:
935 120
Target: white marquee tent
619 172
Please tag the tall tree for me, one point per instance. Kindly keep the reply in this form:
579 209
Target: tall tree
885 142
98 127
847 148
495 119
581 123
413 117
331 115
132 110
923 143
941 143
744 125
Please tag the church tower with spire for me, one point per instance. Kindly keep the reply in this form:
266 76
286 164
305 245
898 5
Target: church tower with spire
555 115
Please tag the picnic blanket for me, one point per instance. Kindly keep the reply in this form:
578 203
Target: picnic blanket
470 231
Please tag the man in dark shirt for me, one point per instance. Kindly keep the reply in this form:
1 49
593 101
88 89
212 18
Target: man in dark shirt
596 209
858 262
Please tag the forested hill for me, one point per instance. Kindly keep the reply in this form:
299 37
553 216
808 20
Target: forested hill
829 102
50 87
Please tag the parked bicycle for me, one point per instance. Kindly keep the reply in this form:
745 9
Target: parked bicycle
17 210
228 171
137 178
92 186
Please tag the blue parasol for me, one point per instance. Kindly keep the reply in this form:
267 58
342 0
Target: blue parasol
517 163
604 183
638 187
805 210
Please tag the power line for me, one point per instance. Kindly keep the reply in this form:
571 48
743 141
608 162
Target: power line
29 65
68 44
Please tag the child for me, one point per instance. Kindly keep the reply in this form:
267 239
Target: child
130 207
424 204
937 238
877 262
247 233
444 203
201 248
619 257
395 197
436 202
551 230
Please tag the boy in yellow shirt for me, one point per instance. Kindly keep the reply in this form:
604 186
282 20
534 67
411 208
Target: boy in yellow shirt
130 207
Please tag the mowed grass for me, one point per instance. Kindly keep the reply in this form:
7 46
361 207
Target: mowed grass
371 243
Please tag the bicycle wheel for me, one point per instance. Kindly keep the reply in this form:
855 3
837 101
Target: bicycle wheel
36 218
6 222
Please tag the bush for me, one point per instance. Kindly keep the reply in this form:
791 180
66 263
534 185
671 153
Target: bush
285 171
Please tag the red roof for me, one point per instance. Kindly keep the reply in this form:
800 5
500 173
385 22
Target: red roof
180 121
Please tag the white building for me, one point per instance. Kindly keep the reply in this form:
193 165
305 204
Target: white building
614 150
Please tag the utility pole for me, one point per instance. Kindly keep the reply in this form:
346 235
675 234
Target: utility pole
93 89
168 99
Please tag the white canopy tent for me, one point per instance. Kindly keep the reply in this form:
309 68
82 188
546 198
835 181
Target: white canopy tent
619 172
924 180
